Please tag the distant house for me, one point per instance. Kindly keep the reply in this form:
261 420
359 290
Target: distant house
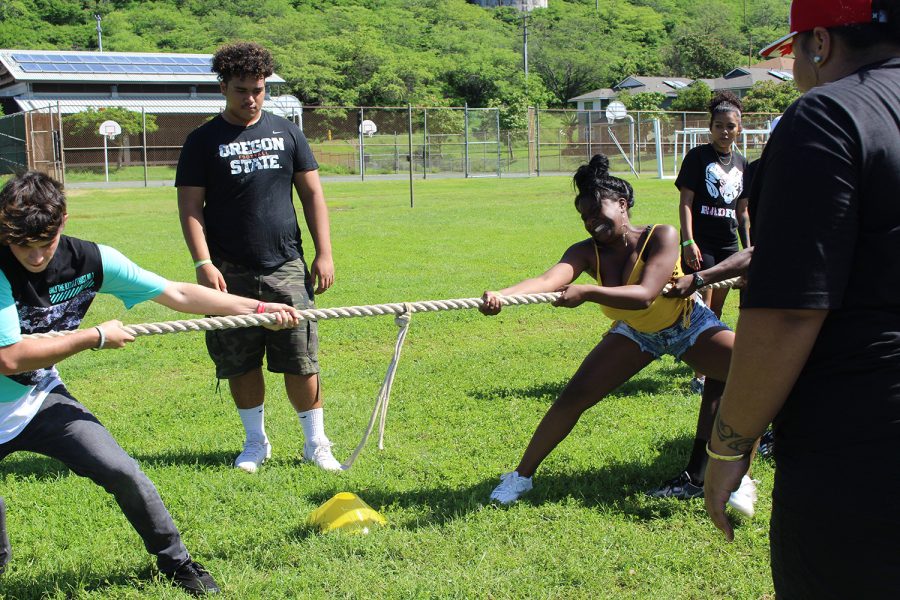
739 80
524 5
38 88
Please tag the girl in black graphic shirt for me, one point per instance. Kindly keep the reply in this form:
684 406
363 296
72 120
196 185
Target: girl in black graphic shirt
712 208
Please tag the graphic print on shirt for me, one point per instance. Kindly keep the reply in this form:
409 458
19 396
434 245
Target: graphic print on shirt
58 317
727 185
253 155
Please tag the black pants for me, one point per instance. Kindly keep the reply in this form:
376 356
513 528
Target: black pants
838 550
67 431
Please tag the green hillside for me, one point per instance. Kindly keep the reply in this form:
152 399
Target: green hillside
437 52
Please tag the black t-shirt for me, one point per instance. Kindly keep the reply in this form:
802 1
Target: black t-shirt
826 210
248 174
57 298
717 182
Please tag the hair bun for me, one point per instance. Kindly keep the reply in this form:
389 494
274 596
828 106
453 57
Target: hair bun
600 165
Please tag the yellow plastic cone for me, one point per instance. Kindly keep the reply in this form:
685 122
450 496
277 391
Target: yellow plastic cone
345 511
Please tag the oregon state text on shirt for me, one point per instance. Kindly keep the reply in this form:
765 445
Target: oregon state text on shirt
250 153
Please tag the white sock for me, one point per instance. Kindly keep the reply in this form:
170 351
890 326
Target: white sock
313 423
254 423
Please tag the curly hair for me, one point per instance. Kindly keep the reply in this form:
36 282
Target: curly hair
594 183
32 208
242 59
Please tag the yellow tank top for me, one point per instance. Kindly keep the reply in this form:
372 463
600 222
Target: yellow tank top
662 313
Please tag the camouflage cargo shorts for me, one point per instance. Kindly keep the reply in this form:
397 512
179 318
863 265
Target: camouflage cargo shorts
294 351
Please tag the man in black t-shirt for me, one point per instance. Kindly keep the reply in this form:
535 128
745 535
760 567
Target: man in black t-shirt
818 341
235 180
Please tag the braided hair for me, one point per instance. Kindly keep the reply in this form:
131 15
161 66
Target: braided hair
594 183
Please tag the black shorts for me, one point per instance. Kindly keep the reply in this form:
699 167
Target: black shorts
711 254
293 351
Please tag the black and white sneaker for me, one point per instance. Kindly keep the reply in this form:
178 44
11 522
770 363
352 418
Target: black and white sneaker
194 579
767 444
681 487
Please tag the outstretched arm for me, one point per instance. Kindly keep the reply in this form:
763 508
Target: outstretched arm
735 265
192 298
38 353
572 264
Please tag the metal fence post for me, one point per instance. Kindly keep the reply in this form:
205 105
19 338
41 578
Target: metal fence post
144 141
466 139
498 144
590 135
537 140
410 131
638 143
425 144
62 145
362 151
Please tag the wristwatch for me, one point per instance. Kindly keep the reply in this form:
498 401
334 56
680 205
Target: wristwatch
698 281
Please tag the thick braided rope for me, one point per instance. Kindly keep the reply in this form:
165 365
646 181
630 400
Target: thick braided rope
233 322
346 312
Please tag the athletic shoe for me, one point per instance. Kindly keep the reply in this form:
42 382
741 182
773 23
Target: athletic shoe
194 579
697 384
744 498
321 456
767 444
681 487
255 453
512 487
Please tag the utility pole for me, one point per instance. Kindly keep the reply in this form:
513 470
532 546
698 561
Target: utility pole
99 32
525 42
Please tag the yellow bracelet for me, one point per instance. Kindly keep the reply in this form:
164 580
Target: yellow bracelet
722 457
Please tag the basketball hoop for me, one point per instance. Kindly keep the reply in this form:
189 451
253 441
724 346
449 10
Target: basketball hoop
110 129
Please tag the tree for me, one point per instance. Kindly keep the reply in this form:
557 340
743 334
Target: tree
648 101
770 97
695 97
88 122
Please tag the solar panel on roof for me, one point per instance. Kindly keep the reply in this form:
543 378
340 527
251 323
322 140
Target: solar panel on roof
30 67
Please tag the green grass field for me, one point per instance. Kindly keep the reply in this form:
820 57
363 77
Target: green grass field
468 394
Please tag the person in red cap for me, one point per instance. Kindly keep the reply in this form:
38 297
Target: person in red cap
818 339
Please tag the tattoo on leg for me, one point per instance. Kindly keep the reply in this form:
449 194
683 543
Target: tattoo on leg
732 439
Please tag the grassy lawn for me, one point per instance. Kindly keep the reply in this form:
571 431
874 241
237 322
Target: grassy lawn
469 392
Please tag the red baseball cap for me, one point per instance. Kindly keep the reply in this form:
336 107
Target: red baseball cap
809 14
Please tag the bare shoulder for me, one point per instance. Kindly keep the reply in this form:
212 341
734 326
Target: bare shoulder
664 234
584 248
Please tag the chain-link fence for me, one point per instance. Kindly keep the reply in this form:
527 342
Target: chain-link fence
371 142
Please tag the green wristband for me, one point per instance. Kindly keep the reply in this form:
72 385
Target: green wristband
202 262
686 243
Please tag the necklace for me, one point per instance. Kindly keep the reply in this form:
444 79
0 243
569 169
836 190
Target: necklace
730 159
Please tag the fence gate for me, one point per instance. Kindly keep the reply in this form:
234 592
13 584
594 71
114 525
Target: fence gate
43 130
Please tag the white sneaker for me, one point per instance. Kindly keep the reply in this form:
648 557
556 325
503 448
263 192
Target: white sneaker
744 498
321 456
255 453
512 486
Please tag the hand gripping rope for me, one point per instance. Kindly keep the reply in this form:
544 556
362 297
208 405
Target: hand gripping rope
403 315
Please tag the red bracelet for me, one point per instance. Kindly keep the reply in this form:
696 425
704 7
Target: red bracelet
260 308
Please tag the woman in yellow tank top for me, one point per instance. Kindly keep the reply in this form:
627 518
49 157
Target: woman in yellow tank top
631 264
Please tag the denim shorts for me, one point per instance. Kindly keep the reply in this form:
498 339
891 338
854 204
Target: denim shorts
674 340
